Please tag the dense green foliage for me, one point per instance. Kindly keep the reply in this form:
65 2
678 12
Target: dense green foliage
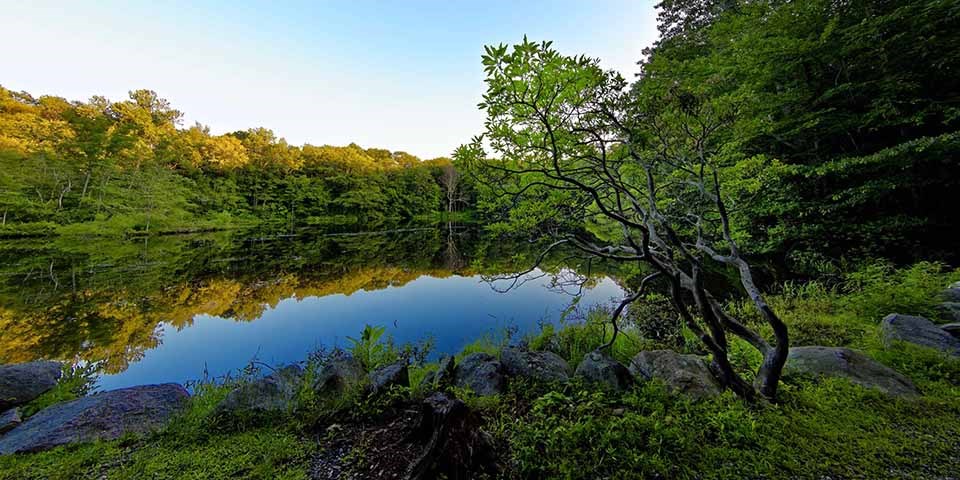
834 125
846 133
827 428
105 167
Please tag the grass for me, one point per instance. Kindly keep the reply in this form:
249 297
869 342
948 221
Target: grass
189 448
830 428
75 382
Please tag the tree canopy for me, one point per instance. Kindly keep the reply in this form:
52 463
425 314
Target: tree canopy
129 167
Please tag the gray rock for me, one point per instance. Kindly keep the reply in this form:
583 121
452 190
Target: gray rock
952 329
952 293
482 373
22 382
338 373
102 416
688 374
395 374
10 419
949 311
599 368
274 393
443 376
919 331
846 363
538 366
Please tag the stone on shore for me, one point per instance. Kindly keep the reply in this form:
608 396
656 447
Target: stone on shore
918 331
539 366
23 382
9 420
275 393
481 373
688 374
850 364
102 416
952 293
600 369
952 329
949 311
338 373
396 374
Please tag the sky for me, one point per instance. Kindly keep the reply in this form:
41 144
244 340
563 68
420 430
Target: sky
401 75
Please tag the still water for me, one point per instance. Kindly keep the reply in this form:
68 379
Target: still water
171 309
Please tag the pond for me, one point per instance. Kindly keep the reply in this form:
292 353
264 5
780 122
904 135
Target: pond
177 308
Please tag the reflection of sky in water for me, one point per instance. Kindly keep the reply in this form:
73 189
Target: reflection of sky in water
455 311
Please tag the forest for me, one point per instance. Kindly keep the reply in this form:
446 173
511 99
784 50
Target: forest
130 168
836 142
834 126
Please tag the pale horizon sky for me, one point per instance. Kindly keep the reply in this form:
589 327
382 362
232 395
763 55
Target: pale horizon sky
396 75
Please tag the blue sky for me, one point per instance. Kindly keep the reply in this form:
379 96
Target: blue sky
391 74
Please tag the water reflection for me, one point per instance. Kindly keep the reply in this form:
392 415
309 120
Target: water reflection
167 308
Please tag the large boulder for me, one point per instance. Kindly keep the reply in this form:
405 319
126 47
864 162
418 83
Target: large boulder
481 373
338 373
396 374
952 329
687 374
22 382
599 368
537 366
949 311
845 363
10 419
102 416
919 331
275 393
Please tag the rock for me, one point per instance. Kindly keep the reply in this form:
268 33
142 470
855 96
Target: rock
338 373
952 293
443 376
952 329
919 331
850 364
22 382
688 374
599 368
385 377
102 416
9 419
274 393
538 366
949 311
482 373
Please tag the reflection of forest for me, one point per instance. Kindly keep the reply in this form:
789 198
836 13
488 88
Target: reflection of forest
102 300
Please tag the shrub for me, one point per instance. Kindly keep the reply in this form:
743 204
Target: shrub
879 289
75 382
585 333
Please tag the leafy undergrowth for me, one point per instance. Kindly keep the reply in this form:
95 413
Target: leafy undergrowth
826 429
